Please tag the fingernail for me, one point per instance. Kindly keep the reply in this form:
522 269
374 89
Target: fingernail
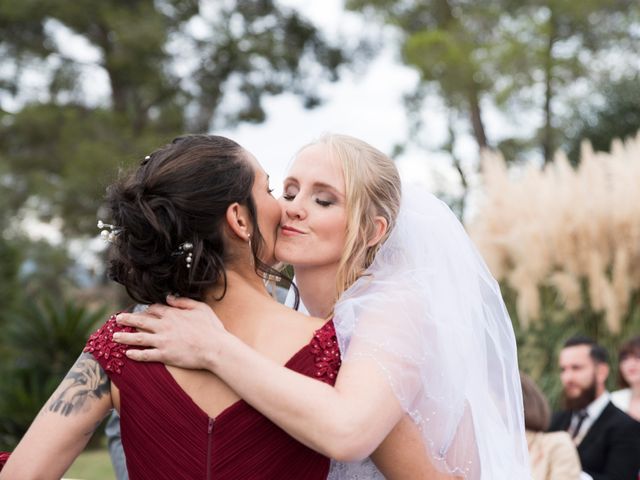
170 297
116 335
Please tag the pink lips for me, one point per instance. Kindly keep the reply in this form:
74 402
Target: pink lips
290 231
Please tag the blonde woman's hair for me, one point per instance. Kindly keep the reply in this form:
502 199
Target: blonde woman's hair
372 187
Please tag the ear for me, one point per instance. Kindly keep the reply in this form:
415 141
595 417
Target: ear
237 218
602 372
380 226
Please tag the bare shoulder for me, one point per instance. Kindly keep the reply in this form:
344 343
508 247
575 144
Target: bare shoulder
300 320
277 331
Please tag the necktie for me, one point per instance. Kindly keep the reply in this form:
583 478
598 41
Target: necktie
581 415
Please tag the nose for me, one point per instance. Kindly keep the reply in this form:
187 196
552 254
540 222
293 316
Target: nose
565 377
294 209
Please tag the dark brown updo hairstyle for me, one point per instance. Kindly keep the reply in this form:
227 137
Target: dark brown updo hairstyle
180 193
630 348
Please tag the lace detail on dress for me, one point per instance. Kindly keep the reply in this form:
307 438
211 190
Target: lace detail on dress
4 457
364 470
324 346
101 345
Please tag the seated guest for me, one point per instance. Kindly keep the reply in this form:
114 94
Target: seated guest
608 439
628 398
553 455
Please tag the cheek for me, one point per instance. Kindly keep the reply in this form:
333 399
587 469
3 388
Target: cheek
335 226
271 214
276 212
627 368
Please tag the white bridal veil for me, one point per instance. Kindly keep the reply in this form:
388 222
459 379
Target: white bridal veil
431 316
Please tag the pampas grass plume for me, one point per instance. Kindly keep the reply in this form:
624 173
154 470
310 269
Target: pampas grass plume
560 226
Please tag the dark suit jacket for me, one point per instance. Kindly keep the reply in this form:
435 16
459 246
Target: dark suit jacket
611 448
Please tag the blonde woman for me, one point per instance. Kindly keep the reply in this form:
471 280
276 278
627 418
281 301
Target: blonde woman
427 346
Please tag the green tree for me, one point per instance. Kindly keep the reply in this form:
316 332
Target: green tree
442 38
530 59
615 113
10 259
559 47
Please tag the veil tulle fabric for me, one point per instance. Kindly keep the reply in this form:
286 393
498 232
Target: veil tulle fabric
431 316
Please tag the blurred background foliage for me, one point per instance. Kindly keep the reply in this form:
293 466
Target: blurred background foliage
173 66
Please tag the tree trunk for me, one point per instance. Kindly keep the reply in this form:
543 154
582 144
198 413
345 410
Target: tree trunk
445 14
547 135
457 164
476 117
100 34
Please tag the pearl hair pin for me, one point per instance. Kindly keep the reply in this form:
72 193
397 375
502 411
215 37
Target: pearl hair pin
108 232
186 247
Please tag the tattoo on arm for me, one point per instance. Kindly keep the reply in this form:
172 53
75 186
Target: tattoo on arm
86 380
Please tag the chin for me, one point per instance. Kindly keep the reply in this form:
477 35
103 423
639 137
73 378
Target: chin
285 255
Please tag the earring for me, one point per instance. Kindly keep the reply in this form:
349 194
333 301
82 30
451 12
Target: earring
251 259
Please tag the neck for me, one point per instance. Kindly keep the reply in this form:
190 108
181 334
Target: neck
635 390
245 291
317 289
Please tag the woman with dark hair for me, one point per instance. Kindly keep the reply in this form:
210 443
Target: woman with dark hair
553 455
196 219
627 398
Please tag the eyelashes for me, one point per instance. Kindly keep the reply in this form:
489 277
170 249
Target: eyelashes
322 203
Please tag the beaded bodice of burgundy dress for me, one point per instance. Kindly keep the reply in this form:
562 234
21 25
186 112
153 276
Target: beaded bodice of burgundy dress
166 435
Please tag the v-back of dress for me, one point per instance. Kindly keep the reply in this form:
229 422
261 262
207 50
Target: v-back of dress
166 435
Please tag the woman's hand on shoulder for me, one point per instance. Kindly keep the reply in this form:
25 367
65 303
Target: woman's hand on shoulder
185 334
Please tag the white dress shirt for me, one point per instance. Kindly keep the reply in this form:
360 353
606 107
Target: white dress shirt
622 399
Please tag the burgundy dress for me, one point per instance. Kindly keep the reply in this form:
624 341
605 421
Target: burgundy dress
166 435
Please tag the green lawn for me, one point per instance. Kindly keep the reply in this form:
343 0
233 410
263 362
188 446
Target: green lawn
92 465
